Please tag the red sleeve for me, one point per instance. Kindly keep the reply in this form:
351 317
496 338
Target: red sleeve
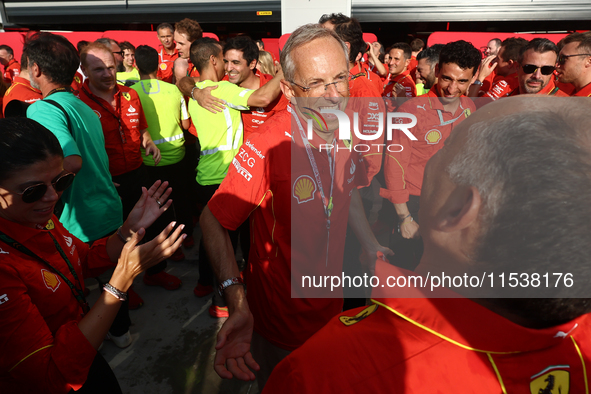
409 87
31 355
396 163
247 182
95 260
500 89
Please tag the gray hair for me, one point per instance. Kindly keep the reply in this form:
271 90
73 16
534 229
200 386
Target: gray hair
533 172
301 36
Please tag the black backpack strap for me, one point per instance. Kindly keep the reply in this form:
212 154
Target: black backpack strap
58 105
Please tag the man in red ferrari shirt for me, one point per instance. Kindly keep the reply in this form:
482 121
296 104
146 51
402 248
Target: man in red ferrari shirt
283 181
400 83
437 113
506 64
574 63
168 52
473 218
11 66
21 88
126 131
536 69
416 46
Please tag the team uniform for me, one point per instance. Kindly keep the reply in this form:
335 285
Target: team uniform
166 64
584 92
11 70
404 79
271 179
412 66
502 87
549 90
360 74
128 78
42 348
435 345
92 207
21 90
121 126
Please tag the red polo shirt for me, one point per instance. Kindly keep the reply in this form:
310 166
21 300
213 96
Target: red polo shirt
404 79
442 345
271 180
549 90
11 70
412 67
361 74
165 64
43 350
502 87
404 170
21 90
584 92
121 126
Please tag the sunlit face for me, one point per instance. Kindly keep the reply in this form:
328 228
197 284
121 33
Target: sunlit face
128 57
101 70
5 57
236 67
387 58
491 49
504 68
533 83
452 82
573 67
425 74
219 64
397 64
39 212
318 63
166 38
183 45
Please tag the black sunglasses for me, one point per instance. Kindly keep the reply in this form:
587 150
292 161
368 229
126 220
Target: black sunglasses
120 53
562 58
36 192
532 68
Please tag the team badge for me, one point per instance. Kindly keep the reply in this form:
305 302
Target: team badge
52 282
127 97
97 113
350 320
374 106
77 79
304 188
163 66
433 136
552 380
50 225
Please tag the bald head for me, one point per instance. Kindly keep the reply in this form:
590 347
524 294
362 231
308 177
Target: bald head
509 193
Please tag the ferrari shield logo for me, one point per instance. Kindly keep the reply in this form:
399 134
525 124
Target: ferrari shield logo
552 380
50 225
126 95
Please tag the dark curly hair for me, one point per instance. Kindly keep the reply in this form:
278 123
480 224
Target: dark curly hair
351 32
244 44
462 53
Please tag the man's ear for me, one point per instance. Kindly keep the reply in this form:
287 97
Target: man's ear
253 64
461 209
359 56
34 70
407 62
437 70
287 89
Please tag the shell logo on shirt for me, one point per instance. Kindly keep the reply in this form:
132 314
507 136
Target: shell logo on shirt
433 136
552 380
52 282
163 66
304 188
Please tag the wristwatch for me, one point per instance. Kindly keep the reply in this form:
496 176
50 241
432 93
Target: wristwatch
230 282
477 82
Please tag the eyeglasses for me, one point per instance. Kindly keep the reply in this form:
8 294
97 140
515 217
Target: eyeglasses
532 68
341 84
120 53
36 192
562 58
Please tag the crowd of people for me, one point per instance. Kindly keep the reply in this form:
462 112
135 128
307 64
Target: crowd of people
106 144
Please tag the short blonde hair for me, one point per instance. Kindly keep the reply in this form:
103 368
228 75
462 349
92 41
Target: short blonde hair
266 63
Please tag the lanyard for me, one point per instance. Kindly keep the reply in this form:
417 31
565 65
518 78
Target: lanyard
326 204
57 90
77 292
110 111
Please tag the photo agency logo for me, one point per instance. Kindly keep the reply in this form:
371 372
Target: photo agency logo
368 127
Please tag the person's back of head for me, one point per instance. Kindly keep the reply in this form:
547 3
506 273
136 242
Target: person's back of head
417 45
55 56
146 59
266 63
512 47
462 53
81 44
329 21
244 44
532 169
351 32
431 54
190 28
201 51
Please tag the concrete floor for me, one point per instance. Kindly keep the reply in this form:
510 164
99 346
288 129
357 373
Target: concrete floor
173 339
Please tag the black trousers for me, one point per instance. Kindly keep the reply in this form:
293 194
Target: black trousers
407 252
100 380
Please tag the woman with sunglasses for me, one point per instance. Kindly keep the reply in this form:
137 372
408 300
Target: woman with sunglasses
48 333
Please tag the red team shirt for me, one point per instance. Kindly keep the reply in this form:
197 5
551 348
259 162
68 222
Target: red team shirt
584 92
121 127
369 80
404 79
42 347
21 90
271 180
404 170
502 87
549 90
11 70
165 65
437 345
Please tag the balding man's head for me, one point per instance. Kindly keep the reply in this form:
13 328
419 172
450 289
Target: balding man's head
509 193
